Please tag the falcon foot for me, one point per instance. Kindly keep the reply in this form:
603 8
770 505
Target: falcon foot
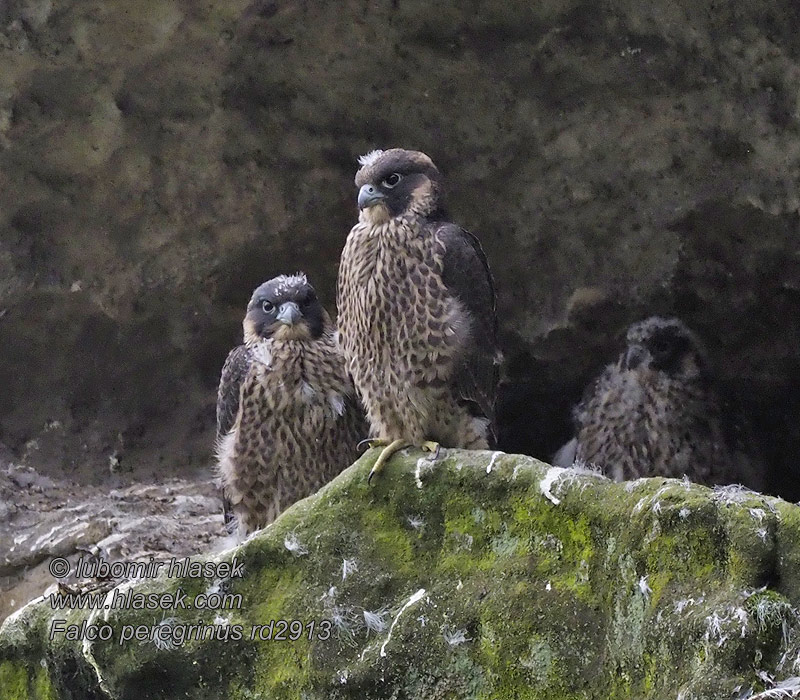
430 446
369 443
385 455
395 446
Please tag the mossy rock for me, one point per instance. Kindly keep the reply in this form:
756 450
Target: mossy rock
482 575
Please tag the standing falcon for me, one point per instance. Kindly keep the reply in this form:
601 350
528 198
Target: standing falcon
287 415
654 413
417 319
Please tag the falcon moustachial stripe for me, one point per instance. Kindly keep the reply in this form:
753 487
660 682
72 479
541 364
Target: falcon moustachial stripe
417 317
654 412
287 415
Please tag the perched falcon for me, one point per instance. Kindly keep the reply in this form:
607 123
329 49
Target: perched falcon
287 415
654 413
417 319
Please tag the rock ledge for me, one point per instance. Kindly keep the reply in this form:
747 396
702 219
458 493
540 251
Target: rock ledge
484 575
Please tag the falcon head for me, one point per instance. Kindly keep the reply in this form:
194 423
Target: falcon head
285 308
396 183
664 345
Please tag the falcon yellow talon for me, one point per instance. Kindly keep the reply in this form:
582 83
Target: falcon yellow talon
385 456
431 446
372 442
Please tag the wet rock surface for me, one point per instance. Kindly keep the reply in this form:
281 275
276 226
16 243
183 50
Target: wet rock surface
482 575
158 160
42 518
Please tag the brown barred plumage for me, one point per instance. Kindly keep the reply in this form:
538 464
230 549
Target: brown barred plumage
417 310
288 418
654 413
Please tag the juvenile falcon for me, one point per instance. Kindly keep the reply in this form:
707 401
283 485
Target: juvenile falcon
287 415
417 319
655 413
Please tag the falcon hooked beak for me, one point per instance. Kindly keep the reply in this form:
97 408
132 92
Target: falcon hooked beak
634 356
369 196
285 308
289 313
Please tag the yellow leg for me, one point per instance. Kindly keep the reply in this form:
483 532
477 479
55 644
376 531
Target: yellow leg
389 448
385 455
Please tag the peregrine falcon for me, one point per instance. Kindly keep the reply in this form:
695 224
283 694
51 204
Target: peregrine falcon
287 416
655 413
417 318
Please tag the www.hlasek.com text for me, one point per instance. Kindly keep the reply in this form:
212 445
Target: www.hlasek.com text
135 600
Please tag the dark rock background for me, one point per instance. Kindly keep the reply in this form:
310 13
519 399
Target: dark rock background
160 159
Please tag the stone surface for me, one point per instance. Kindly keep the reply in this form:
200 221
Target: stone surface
159 159
42 518
484 575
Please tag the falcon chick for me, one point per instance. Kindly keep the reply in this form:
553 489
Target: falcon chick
287 416
417 319
655 413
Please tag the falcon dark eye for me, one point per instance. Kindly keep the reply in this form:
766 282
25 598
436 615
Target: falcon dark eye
268 306
661 346
391 181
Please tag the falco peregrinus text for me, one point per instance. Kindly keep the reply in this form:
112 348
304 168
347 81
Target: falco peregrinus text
654 413
417 318
287 416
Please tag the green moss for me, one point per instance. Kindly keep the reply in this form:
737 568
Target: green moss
609 593
788 549
42 687
682 543
463 518
694 556
562 547
469 533
278 592
389 543
771 614
658 581
13 681
282 669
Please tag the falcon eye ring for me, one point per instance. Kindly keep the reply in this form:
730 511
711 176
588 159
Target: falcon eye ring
391 181
267 306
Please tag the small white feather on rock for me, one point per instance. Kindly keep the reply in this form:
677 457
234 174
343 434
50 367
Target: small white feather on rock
294 545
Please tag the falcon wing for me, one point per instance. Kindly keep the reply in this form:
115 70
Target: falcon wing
582 412
234 371
592 395
467 277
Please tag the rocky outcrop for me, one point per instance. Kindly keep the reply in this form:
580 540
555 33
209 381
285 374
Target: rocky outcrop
159 159
483 575
42 518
